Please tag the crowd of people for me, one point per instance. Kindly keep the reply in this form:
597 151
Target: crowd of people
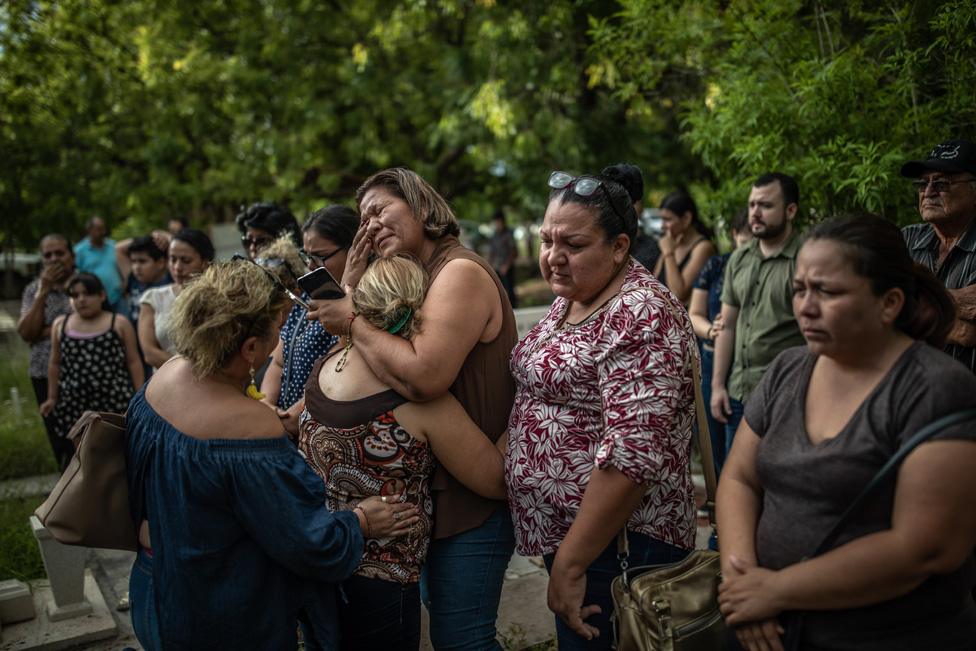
322 467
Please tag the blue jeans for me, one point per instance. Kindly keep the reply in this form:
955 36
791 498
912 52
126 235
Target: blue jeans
142 601
733 423
644 550
716 430
461 584
378 614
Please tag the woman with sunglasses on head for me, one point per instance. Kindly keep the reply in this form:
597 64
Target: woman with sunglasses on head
262 223
190 253
686 245
600 434
326 235
469 330
94 362
823 421
366 439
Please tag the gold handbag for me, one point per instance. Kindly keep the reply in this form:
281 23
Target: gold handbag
673 607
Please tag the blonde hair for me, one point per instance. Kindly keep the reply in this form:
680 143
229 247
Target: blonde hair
428 207
214 314
282 249
392 289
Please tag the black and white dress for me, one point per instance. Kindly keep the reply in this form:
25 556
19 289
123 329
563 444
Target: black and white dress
94 376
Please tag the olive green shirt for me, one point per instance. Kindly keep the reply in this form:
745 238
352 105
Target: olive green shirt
762 289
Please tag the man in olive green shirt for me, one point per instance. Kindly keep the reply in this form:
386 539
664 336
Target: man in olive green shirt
757 299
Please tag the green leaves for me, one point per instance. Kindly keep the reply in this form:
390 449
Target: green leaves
836 94
145 109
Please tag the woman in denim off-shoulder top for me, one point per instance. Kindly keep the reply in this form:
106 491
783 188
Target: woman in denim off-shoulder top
237 544
365 439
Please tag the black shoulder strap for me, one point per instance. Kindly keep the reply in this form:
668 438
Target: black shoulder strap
890 467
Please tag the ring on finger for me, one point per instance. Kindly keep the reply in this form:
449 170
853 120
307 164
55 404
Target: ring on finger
396 516
383 499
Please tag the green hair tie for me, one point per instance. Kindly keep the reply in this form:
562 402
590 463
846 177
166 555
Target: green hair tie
398 326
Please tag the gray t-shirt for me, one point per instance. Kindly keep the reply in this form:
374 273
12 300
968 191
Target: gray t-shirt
807 487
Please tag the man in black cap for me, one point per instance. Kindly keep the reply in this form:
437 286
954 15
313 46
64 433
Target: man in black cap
946 241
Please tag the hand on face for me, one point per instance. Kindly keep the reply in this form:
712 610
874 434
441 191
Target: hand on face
666 243
52 274
358 257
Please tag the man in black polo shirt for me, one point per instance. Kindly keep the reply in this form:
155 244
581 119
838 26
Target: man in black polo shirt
946 241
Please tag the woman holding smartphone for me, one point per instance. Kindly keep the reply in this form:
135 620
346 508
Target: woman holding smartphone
326 237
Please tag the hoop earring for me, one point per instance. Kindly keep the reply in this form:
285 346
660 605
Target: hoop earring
252 390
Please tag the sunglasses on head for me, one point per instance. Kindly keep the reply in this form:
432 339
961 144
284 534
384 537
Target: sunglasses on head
583 186
258 242
274 279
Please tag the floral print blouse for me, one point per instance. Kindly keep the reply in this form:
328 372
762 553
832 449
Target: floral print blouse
616 390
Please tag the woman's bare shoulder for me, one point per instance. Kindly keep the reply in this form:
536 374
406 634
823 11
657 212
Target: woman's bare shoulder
206 410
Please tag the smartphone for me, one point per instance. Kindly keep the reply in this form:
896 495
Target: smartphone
320 285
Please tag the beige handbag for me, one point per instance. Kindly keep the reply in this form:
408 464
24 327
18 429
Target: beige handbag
89 506
673 607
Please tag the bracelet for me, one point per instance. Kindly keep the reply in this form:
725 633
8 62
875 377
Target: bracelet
369 529
352 317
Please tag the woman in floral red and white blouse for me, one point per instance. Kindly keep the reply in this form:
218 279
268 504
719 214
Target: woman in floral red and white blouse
600 433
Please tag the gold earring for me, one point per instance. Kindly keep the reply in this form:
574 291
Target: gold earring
252 388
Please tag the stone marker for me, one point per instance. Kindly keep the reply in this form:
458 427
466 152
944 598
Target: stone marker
65 567
16 603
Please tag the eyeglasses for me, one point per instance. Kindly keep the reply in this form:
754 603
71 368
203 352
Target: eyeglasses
315 258
274 279
256 242
584 186
938 185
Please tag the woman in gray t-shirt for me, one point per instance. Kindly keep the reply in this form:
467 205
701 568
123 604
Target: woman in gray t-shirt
823 421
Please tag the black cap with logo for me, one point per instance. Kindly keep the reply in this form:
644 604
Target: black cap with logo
952 156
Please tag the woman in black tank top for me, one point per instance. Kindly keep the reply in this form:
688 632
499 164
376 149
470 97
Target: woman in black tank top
685 246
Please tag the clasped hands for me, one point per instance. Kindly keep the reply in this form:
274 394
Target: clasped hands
749 600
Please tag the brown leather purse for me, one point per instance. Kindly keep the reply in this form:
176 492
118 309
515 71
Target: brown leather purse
89 506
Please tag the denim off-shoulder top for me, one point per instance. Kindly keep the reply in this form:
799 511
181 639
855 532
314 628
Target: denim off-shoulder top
242 541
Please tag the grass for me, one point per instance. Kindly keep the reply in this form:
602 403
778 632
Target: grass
24 449
19 555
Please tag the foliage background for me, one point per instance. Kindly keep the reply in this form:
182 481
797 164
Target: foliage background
149 108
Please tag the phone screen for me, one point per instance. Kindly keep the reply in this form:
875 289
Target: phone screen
320 285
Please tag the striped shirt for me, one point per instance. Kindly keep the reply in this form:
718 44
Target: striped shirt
957 270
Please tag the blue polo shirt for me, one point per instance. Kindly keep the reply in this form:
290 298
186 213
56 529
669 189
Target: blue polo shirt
101 262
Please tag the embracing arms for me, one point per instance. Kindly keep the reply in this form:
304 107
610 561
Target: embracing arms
460 307
464 450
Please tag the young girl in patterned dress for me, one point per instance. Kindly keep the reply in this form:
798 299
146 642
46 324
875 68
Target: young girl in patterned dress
94 363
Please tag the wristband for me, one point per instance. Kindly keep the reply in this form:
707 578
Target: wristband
369 529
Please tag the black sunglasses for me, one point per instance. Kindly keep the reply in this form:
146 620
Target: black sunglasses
584 186
940 186
274 279
320 260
